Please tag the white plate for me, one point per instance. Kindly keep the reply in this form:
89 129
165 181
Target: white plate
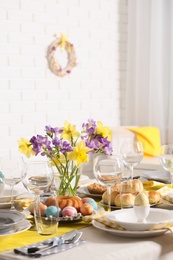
84 190
21 228
131 234
6 195
160 175
9 219
127 219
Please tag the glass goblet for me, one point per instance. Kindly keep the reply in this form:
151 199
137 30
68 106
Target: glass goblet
37 176
13 173
132 153
108 170
166 159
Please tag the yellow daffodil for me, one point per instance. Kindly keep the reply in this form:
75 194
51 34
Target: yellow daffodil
79 153
103 130
69 131
25 147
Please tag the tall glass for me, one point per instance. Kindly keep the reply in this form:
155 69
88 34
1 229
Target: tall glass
37 176
132 153
108 170
13 173
166 159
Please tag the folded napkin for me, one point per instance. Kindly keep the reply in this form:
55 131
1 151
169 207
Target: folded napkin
95 216
150 138
57 249
154 185
168 197
164 191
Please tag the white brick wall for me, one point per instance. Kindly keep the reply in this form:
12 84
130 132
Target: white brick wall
31 96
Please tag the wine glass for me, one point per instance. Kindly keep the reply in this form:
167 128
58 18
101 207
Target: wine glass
13 173
132 153
166 159
108 170
37 176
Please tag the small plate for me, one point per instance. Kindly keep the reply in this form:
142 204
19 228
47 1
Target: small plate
84 190
131 234
21 228
127 219
160 175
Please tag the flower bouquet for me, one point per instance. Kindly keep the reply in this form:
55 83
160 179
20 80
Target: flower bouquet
67 149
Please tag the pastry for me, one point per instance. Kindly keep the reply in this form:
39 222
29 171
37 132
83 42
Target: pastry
126 199
132 186
153 196
114 193
96 188
73 201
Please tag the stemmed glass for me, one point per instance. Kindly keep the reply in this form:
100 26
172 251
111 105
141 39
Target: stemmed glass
166 159
13 173
108 170
37 176
132 153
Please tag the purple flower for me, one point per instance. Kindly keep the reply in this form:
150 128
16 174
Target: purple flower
94 141
63 146
50 130
39 142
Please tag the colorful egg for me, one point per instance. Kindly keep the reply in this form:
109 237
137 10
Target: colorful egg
51 211
69 211
84 200
93 203
86 209
42 208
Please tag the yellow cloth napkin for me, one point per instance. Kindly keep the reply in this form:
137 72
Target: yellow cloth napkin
31 236
150 138
154 185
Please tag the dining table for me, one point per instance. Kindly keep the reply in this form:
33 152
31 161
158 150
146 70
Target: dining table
97 242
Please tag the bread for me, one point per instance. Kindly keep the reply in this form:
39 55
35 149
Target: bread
132 186
113 196
125 199
153 196
96 188
73 201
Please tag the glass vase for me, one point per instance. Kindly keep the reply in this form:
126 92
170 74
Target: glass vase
66 179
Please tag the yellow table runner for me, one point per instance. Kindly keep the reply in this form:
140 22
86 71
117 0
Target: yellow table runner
31 236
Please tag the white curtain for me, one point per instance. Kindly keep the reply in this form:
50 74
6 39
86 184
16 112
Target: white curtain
149 89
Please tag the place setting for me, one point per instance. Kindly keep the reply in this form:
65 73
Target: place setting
139 220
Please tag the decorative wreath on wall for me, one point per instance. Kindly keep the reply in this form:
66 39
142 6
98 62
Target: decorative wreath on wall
54 65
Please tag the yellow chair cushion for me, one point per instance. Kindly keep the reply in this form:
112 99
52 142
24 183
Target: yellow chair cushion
150 138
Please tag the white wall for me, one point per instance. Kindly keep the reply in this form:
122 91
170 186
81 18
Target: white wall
31 96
